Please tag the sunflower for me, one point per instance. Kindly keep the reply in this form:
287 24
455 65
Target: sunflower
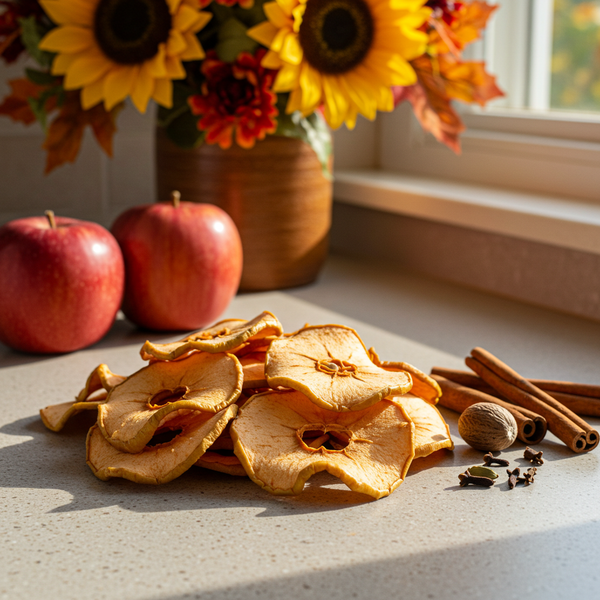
111 49
343 54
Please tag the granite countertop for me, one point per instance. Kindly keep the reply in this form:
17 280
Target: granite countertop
67 535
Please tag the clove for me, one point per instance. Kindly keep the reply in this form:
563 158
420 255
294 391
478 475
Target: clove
467 479
528 477
533 457
513 477
489 459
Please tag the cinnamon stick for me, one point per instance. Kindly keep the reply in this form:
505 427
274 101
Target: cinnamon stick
565 424
583 406
573 395
531 426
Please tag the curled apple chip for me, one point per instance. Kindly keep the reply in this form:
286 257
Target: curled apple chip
225 336
163 459
282 438
331 366
424 387
161 391
254 370
221 462
431 431
101 381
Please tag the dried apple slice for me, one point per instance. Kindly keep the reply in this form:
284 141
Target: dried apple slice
254 370
223 463
431 431
224 336
282 438
147 399
162 462
424 387
101 381
330 365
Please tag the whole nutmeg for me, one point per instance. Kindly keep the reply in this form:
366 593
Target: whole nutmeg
487 426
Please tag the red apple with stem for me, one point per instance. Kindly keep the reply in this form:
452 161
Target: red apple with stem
183 263
61 283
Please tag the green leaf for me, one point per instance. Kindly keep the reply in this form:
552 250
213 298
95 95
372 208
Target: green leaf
31 35
253 15
40 77
313 130
233 41
183 131
38 105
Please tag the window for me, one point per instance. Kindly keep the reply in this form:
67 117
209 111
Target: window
520 141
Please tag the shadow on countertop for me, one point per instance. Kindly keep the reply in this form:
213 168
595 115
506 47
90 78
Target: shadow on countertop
57 461
122 333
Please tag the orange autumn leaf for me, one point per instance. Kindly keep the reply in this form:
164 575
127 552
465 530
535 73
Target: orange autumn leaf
66 131
467 80
16 106
432 105
471 20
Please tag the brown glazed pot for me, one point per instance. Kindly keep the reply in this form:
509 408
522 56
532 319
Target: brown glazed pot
275 193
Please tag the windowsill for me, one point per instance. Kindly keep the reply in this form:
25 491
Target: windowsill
561 222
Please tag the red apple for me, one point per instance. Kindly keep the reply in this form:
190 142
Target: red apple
183 263
61 283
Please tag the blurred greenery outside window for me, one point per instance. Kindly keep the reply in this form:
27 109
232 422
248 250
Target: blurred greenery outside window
575 65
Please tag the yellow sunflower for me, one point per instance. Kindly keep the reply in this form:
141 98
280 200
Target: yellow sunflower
343 54
111 49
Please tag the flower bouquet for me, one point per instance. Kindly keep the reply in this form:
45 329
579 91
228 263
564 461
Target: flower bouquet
234 71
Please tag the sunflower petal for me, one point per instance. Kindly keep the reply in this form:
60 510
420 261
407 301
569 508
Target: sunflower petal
176 43
175 69
194 50
163 92
62 62
92 93
291 50
67 38
173 6
86 69
287 78
264 33
287 6
117 85
69 13
294 102
271 60
142 89
157 65
276 15
187 19
310 82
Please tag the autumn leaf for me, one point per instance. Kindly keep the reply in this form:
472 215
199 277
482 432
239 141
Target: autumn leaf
470 21
433 107
66 131
467 81
16 104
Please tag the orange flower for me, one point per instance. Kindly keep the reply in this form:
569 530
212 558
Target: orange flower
236 98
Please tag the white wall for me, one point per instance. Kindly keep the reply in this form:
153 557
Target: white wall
94 188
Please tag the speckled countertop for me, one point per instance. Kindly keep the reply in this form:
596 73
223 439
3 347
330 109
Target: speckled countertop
65 534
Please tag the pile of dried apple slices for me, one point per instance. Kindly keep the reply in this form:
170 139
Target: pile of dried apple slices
245 398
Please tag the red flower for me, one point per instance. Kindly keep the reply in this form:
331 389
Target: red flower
10 30
236 98
445 9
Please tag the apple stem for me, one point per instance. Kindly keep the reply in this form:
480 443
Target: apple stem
51 219
175 198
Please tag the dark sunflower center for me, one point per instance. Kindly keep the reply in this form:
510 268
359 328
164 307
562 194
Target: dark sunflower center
336 35
130 31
